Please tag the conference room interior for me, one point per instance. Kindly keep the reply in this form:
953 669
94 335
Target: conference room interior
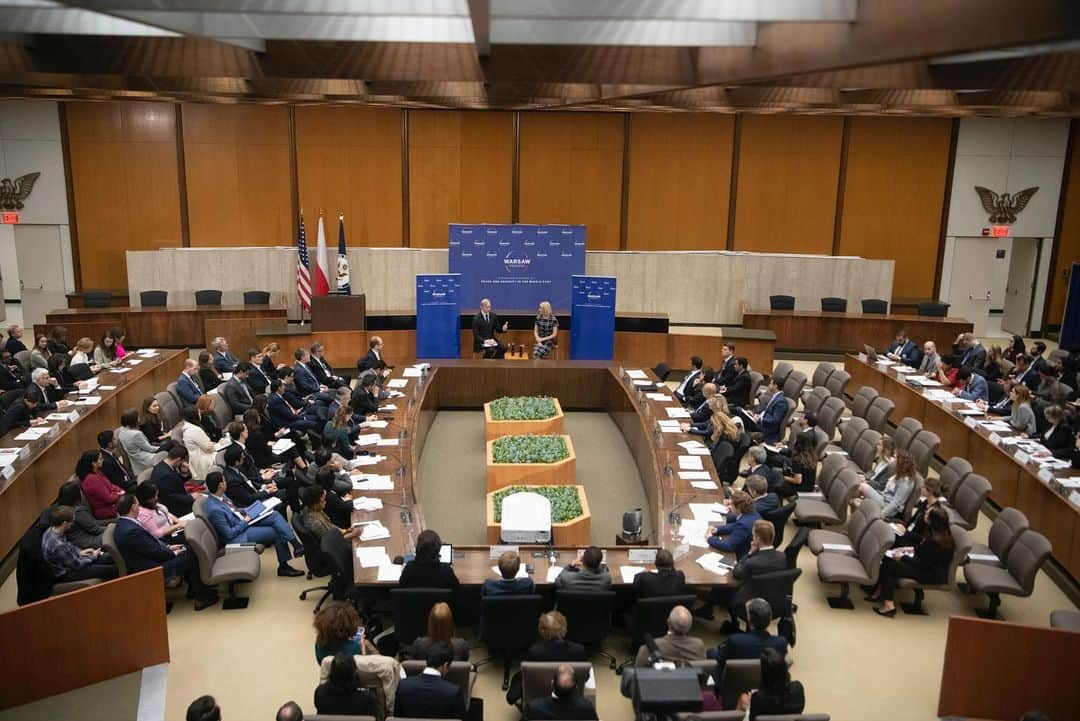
800 233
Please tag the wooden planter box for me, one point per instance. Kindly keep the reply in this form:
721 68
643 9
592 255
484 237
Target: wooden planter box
501 475
548 427
569 533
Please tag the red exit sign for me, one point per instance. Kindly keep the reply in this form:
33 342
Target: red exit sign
9 217
1000 231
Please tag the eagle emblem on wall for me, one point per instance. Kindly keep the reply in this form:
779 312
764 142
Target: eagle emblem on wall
1004 208
14 192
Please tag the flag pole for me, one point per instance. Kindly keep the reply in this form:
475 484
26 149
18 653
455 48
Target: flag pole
301 304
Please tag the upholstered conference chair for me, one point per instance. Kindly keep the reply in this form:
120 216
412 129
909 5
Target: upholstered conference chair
875 305
834 305
781 302
97 298
208 297
153 298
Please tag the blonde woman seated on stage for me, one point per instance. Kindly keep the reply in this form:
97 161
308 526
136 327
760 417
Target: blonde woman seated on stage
545 331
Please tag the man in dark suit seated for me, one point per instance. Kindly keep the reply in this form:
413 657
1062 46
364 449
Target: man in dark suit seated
284 415
188 386
485 325
429 695
509 584
677 644
236 392
589 575
904 350
695 393
770 421
142 551
737 391
167 477
12 375
19 414
564 701
702 413
257 381
365 399
761 559
111 464
224 361
689 379
759 456
727 371
751 643
666 581
46 393
322 370
244 490
736 537
551 647
306 382
765 501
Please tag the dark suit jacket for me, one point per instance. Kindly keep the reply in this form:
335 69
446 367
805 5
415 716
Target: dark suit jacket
557 649
755 564
10 380
236 395
771 424
139 549
305 381
46 399
17 415
115 471
334 700
225 362
766 504
1061 440
426 696
735 537
738 390
482 331
772 475
257 380
578 708
750 645
171 490
240 490
14 345
425 574
280 413
507 587
664 582
363 402
367 361
725 374
188 389
701 413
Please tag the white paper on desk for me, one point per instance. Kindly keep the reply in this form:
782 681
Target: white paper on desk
389 572
381 483
699 451
667 423
119 370
970 422
367 439
387 407
553 573
705 485
1072 482
690 463
32 434
694 475
705 512
628 572
388 442
636 374
691 444
642 383
378 424
374 532
372 556
675 412
970 412
1022 457
397 383
134 361
521 573
364 503
365 461
670 429
106 388
714 562
885 362
88 401
658 397
411 373
836 547
282 445
57 417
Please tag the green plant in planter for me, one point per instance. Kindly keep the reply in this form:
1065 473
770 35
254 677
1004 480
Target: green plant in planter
565 504
522 408
529 449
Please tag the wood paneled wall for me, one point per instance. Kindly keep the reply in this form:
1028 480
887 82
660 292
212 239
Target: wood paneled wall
125 182
680 180
786 192
349 160
460 171
571 172
894 190
1068 241
237 167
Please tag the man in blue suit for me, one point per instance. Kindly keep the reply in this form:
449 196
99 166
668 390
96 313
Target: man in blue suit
429 694
284 415
754 641
770 422
306 382
735 537
224 361
971 386
187 385
233 526
904 350
141 551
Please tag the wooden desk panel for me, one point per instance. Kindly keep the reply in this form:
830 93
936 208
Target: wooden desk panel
122 622
171 326
52 460
847 332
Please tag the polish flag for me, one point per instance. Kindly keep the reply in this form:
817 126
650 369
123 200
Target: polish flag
320 274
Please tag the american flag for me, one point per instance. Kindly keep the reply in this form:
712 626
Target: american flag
303 277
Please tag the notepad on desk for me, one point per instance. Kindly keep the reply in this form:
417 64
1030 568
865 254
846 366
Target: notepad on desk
695 476
411 373
397 383
378 424
372 556
658 397
261 509
374 531
389 573
367 439
388 442
364 503
675 412
637 374
704 485
282 445
690 463
374 483
714 562
365 461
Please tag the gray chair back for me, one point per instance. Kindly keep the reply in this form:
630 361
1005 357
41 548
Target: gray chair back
1026 557
338 717
536 678
962 544
906 432
838 382
756 381
861 519
820 442
23 359
923 447
1006 528
830 469
198 508
712 716
877 415
821 374
877 539
170 410
108 542
861 401
793 385
841 492
865 450
781 371
171 390
829 415
222 412
851 431
970 497
952 475
740 676
203 543
814 398
144 475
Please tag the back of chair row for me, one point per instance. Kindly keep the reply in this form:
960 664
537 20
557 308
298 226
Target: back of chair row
160 298
831 304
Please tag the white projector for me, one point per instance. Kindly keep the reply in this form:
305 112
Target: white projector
526 518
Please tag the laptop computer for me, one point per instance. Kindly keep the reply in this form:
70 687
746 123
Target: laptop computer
871 354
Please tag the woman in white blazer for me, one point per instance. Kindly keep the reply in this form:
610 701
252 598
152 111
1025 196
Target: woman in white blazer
200 448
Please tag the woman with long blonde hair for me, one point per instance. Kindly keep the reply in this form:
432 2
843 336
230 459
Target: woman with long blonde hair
545 331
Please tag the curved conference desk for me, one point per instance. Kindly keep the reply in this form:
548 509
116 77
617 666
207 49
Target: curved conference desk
579 386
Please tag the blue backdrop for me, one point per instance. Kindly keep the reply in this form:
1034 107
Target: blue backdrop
592 318
438 308
517 266
1070 324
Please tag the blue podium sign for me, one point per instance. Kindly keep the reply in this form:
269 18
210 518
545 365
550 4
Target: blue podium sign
438 309
592 317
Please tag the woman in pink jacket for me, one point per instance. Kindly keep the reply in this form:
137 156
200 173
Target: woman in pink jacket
101 493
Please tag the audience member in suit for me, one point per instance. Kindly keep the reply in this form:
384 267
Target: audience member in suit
429 695
778 694
971 386
187 384
166 476
20 414
441 630
1051 390
235 391
770 421
735 537
425 570
258 380
209 377
224 361
508 584
305 405
324 374
365 398
242 490
1024 372
751 643
67 561
905 350
765 501
564 702
884 464
141 551
112 465
701 413
689 379
14 343
341 694
284 414
306 382
969 352
930 359
100 492
762 558
758 467
12 375
47 393
737 391
338 509
677 644
485 326
551 647
927 562
665 581
911 531
86 531
590 574
1058 436
695 392
371 359
234 526
139 451
727 371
